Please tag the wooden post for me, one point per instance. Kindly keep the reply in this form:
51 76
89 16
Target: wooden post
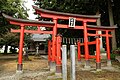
108 49
98 63
49 52
79 53
86 45
54 45
58 56
20 65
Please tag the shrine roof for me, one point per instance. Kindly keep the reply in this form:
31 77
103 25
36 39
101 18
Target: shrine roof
40 37
27 21
66 14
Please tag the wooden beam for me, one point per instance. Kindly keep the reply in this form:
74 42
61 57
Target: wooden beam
32 31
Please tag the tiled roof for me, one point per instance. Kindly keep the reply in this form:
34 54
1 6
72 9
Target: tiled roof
40 37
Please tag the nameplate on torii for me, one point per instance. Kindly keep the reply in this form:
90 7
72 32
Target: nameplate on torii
72 21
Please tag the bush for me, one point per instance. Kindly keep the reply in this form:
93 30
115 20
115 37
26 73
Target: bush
115 53
112 55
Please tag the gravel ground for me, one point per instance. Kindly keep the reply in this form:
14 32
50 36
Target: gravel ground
37 69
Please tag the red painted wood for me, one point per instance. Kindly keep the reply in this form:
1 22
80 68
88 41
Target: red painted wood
103 35
86 41
58 56
97 49
46 15
67 26
61 15
21 45
31 24
92 56
107 46
89 43
100 29
38 28
54 40
79 50
33 31
49 50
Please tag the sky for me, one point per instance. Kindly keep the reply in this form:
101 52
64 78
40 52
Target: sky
29 4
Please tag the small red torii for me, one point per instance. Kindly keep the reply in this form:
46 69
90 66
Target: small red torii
22 23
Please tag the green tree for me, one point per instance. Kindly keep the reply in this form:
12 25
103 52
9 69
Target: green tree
14 8
10 39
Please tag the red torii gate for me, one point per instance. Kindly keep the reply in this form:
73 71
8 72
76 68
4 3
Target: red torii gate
105 29
65 16
84 18
22 23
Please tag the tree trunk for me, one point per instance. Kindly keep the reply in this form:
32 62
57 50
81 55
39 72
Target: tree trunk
6 48
114 45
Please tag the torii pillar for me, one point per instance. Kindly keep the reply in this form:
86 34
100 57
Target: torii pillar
20 65
53 60
87 65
